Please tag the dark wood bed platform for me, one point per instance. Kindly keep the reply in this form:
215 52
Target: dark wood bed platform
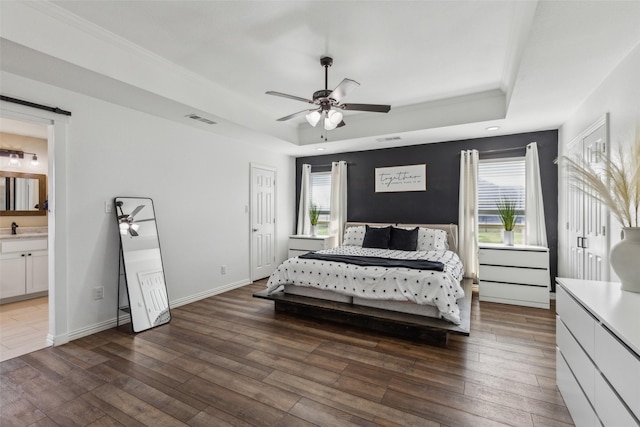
419 328
392 319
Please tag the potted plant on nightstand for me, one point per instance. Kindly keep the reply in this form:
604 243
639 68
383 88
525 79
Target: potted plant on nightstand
314 214
507 211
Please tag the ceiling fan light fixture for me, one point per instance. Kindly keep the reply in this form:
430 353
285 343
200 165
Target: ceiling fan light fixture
328 125
313 118
334 116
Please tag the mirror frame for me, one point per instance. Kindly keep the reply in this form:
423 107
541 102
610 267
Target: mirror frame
124 274
42 189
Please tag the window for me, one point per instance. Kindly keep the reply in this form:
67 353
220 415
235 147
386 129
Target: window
321 197
497 179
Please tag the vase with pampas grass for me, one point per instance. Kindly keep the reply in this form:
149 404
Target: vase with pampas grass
615 182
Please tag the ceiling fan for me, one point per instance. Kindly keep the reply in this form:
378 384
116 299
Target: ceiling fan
126 221
327 104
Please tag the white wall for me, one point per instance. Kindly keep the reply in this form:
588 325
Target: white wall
199 182
618 95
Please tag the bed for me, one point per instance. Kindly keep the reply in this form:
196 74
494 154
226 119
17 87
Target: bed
387 286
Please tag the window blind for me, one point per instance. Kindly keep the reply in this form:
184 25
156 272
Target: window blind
321 190
501 178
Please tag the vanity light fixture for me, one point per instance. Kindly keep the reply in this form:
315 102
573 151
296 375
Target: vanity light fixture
15 156
14 160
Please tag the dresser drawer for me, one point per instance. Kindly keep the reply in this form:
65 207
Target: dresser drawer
620 366
578 405
527 276
515 258
490 291
577 320
610 409
581 365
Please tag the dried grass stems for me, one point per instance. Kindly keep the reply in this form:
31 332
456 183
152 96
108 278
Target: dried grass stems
614 181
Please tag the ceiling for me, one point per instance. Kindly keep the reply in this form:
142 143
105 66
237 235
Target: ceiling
449 69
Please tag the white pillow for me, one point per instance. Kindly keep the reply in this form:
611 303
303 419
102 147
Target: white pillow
354 236
432 240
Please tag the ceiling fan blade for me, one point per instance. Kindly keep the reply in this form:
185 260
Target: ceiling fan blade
342 123
291 116
136 210
284 95
133 232
343 89
376 108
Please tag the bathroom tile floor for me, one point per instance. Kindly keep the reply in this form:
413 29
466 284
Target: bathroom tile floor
23 327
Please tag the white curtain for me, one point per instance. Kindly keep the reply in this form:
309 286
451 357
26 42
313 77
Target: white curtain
304 224
468 212
535 230
338 199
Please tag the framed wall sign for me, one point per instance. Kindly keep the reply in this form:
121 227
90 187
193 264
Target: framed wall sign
401 178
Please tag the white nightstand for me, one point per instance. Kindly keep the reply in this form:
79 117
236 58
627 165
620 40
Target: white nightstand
299 245
516 275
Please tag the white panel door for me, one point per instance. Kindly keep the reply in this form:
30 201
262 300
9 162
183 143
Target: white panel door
595 213
586 218
263 222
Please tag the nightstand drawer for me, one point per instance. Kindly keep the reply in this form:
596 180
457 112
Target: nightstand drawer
526 276
514 257
306 243
509 293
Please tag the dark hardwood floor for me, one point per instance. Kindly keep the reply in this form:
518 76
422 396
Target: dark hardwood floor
229 360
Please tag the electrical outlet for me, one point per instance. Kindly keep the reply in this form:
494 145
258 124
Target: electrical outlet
108 206
223 269
98 292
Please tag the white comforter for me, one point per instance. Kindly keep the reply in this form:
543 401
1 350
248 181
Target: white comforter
437 288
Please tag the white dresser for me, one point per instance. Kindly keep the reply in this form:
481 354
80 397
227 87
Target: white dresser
516 275
598 352
299 245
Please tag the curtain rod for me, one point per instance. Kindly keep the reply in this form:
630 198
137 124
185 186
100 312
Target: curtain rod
329 164
34 105
502 150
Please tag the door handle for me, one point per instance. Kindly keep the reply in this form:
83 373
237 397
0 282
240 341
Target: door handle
255 229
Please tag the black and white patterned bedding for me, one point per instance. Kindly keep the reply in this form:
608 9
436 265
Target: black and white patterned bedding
438 288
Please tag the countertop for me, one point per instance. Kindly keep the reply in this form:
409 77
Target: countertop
23 233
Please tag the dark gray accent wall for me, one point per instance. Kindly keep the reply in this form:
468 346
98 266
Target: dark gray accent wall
439 203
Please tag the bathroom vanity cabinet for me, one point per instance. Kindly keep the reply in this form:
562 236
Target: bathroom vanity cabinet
24 266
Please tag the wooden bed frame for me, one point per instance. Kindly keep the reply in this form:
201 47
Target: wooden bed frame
407 325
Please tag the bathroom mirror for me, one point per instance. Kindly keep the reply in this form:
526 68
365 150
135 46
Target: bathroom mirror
22 194
141 261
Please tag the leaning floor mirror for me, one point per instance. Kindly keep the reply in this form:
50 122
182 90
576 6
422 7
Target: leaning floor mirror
141 264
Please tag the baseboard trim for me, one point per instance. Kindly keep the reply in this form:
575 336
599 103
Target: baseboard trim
210 293
126 318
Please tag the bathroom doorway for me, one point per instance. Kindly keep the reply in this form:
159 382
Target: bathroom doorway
24 284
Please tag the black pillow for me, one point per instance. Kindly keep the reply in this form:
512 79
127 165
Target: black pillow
377 237
403 240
